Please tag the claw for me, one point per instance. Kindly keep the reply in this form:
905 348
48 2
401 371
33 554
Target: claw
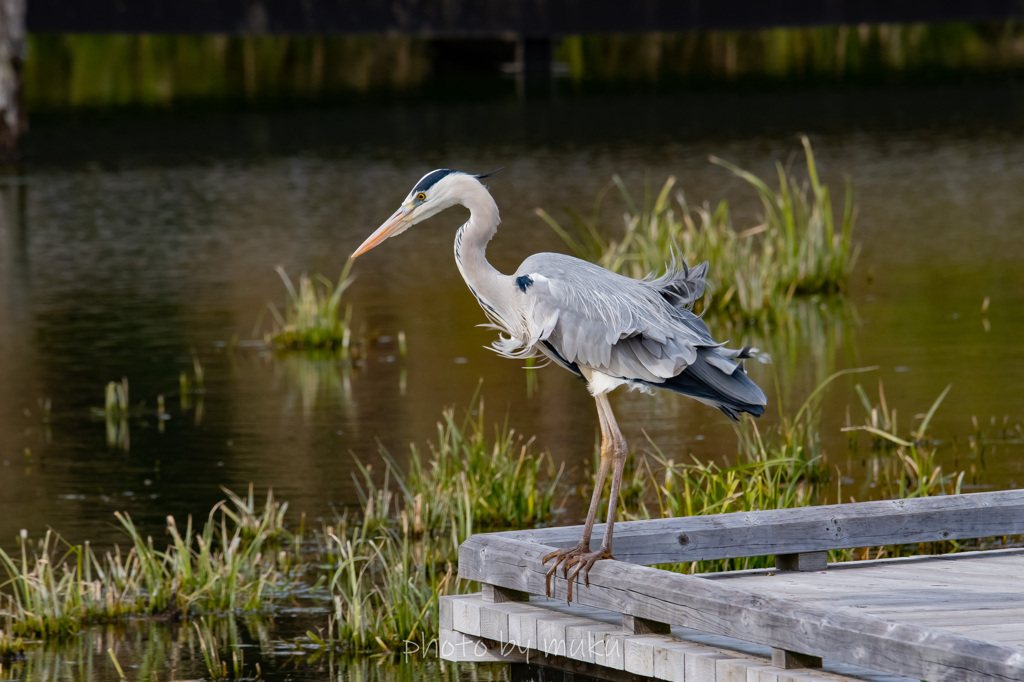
579 557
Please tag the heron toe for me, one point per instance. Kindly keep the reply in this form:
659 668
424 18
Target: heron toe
579 557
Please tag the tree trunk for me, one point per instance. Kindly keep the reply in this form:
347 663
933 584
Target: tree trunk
12 53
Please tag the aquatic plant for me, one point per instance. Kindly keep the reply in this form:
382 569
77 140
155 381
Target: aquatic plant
210 647
115 399
504 482
384 590
786 468
798 248
234 562
195 384
311 319
398 556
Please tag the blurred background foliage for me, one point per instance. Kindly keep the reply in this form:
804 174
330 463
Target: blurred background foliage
87 70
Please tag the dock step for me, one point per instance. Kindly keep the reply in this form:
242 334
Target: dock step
593 641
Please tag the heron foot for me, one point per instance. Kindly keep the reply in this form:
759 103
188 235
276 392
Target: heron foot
578 558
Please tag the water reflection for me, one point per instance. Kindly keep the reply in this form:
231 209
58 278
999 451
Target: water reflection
810 341
312 377
255 647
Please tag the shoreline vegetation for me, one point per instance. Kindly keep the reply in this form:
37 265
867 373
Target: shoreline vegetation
799 249
380 569
311 319
81 71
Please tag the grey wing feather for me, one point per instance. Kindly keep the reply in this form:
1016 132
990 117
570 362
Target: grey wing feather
636 329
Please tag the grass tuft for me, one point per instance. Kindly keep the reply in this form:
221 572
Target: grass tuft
799 248
391 566
787 468
234 562
312 317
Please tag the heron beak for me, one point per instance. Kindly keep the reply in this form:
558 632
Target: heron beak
396 224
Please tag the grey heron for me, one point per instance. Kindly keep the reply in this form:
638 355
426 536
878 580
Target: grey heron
608 329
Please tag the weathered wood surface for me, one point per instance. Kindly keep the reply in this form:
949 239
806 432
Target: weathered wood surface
586 640
806 529
831 631
964 594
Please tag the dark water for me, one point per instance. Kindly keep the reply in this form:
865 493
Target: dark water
132 243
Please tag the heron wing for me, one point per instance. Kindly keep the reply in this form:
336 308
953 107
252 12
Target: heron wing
634 329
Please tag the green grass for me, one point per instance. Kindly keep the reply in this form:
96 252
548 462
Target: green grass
787 467
234 562
799 248
312 318
398 556
115 399
210 647
499 482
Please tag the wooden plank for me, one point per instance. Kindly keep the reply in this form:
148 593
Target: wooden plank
494 624
493 593
880 587
584 632
963 621
702 665
642 626
597 641
805 529
840 634
522 630
732 669
802 562
880 592
456 646
638 654
670 661
782 658
1003 633
466 616
763 673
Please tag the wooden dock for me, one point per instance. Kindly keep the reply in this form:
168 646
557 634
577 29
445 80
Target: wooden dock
952 617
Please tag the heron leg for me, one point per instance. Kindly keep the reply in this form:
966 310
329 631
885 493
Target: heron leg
613 454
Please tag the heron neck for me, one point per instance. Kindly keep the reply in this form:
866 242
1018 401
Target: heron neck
471 246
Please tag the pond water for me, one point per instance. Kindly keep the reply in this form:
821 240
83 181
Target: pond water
135 244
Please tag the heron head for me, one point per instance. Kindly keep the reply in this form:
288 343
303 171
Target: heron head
436 191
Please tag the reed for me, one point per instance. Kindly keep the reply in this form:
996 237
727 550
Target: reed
501 479
210 647
115 398
785 468
234 562
312 319
194 384
799 247
384 591
398 557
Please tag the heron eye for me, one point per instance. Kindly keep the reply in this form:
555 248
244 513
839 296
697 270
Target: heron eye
421 197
